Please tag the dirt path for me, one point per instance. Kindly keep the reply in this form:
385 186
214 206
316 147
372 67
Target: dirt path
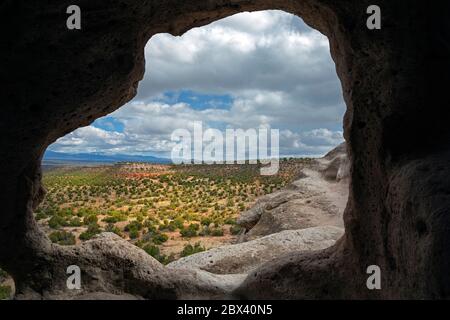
328 197
313 200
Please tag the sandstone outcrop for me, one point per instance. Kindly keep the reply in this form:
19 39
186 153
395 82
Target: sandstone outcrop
244 257
395 85
113 268
335 165
315 199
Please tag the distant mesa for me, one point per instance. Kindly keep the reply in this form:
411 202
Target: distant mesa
52 157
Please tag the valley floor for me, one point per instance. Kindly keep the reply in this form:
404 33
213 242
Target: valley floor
223 220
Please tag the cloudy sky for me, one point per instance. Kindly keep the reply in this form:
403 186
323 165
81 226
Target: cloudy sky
251 70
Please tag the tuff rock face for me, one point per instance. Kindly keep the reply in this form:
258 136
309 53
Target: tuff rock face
317 198
396 126
335 165
244 257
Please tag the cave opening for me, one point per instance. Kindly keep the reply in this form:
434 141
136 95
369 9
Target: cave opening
398 189
221 104
253 71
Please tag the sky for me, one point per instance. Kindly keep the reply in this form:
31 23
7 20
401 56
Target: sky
251 70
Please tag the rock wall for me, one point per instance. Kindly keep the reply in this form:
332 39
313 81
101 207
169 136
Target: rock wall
335 165
317 198
395 86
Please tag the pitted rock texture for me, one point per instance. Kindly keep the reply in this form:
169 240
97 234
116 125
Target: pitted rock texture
250 218
244 257
335 165
394 83
313 200
113 268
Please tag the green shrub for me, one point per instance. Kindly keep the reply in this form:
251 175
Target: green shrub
156 253
113 219
90 219
235 229
206 221
133 225
170 258
152 250
5 292
92 230
217 232
190 231
56 221
191 249
133 233
178 222
231 221
41 215
112 228
159 238
194 226
75 222
140 218
62 237
172 227
206 231
163 227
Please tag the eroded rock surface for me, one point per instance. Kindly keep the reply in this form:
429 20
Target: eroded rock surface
302 217
395 85
113 268
313 200
243 257
335 165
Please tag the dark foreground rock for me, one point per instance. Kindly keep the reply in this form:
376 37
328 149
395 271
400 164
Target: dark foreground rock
395 85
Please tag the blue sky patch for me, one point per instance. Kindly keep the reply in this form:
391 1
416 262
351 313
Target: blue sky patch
109 124
279 74
199 101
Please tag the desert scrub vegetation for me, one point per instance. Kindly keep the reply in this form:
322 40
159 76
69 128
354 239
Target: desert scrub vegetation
155 252
160 208
191 249
5 289
5 292
62 237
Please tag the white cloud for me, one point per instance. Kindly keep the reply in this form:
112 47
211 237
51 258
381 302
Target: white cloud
87 139
277 71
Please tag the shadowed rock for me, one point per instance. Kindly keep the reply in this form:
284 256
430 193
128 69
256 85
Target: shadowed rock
395 85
